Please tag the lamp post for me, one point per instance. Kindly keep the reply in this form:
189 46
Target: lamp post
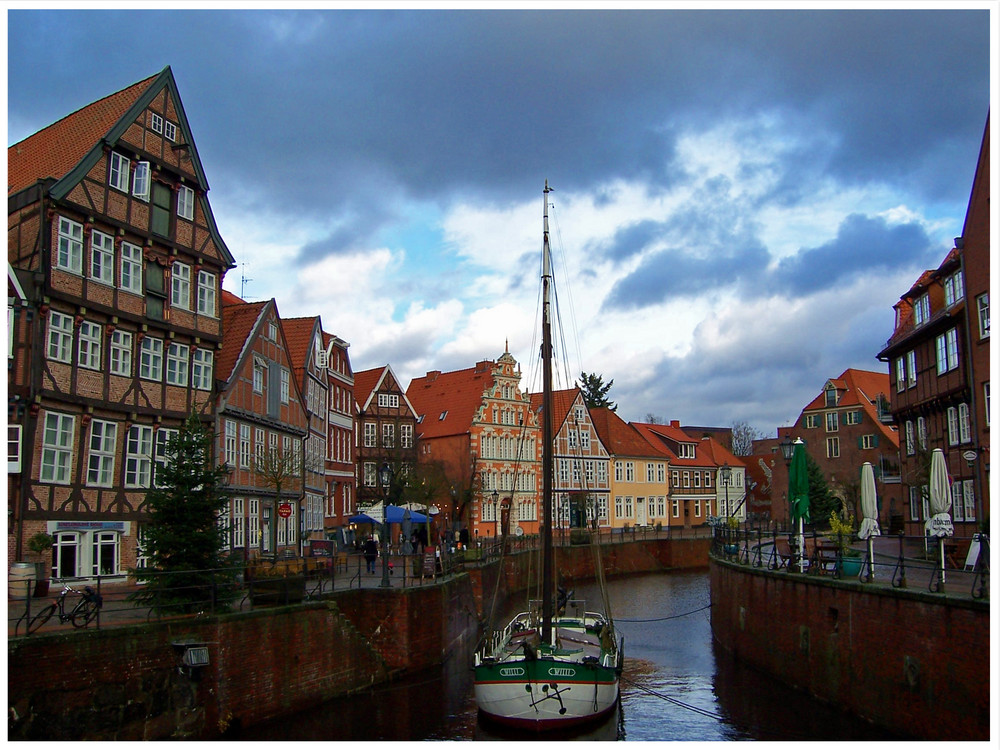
496 514
726 474
385 476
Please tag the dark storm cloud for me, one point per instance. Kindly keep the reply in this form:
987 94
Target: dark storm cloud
863 245
310 106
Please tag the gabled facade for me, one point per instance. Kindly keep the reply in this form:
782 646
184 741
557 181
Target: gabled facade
387 426
693 472
261 428
341 471
306 351
581 486
846 425
730 479
112 240
639 474
938 359
479 428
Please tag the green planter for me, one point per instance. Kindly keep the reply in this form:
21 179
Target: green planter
849 566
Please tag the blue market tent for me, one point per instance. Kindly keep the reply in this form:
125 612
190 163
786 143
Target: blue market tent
393 514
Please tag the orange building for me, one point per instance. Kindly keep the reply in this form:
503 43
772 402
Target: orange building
479 428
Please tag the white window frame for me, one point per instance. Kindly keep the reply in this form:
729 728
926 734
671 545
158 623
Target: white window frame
833 447
156 123
102 257
954 288
946 350
952 420
388 400
89 345
130 278
13 449
237 530
178 356
964 428
101 457
118 171
921 310
59 346
900 375
120 353
160 440
185 202
151 358
202 363
180 285
371 435
832 421
69 255
230 443
139 457
908 438
58 431
246 453
258 376
405 435
285 377
140 181
911 368
169 130
206 293
983 311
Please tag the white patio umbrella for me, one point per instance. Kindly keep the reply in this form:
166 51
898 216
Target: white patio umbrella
869 513
939 524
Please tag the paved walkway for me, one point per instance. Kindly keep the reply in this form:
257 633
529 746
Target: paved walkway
921 568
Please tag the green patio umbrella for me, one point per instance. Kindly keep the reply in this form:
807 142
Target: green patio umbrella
798 492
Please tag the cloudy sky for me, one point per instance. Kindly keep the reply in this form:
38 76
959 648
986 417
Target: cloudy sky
740 195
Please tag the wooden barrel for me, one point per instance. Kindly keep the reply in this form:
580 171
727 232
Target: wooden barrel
21 581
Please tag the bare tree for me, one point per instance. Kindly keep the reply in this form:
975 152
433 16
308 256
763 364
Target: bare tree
283 470
743 435
653 418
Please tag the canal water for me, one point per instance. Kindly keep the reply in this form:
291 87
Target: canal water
677 685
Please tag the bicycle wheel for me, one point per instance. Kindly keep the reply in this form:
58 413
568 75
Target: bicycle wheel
41 617
83 613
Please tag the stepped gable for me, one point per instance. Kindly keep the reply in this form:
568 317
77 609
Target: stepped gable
446 403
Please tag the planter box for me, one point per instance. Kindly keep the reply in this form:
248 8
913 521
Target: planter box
850 566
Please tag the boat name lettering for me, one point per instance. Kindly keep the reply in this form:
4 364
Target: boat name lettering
561 671
512 671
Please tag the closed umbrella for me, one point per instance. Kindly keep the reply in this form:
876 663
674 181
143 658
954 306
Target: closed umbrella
869 513
798 493
939 524
407 530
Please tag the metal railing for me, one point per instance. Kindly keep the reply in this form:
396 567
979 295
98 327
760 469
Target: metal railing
911 559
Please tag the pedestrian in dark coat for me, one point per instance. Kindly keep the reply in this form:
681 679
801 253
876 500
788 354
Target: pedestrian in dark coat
371 554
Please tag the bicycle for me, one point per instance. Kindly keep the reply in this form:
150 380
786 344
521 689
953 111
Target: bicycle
81 615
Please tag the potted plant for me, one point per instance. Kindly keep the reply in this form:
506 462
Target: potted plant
850 558
41 543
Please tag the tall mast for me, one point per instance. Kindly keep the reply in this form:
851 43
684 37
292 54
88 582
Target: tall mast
547 578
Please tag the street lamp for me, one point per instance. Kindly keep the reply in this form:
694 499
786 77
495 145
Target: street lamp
385 476
726 474
496 513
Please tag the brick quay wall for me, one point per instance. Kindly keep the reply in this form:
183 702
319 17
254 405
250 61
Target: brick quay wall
128 682
913 662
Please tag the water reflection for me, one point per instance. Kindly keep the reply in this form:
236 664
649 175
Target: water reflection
677 685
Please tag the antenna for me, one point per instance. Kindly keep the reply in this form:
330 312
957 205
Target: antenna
243 281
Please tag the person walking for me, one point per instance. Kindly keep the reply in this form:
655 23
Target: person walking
370 550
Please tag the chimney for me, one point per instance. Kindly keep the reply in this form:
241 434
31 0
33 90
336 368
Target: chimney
675 423
432 375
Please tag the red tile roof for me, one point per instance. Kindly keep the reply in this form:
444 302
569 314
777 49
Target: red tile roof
620 438
862 389
365 382
562 402
447 402
664 436
57 149
239 320
298 338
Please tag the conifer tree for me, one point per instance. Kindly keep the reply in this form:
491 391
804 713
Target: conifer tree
595 391
183 542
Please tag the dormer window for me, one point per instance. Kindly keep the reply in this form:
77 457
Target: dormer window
685 450
954 288
922 310
443 415
831 396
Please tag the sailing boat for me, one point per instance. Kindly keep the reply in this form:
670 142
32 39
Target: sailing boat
552 666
